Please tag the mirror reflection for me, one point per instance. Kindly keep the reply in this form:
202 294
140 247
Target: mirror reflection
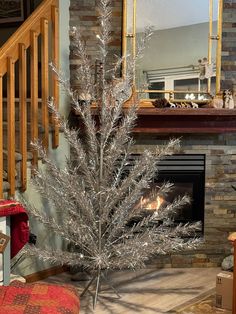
179 56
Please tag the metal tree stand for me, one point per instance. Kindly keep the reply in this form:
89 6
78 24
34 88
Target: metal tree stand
99 276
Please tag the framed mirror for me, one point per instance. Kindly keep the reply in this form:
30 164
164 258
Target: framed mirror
182 59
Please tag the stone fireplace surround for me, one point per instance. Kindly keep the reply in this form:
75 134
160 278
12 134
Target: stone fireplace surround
220 149
220 197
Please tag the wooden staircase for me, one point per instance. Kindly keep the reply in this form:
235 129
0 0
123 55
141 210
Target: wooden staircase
24 77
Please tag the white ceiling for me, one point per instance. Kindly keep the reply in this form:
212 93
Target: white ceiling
164 14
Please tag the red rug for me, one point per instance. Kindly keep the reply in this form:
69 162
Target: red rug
38 298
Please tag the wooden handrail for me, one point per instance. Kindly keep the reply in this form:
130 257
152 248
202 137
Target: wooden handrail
15 50
22 35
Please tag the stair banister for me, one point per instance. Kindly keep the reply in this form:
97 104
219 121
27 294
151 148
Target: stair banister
13 51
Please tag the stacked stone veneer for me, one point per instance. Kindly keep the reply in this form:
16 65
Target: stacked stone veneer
84 15
220 197
229 45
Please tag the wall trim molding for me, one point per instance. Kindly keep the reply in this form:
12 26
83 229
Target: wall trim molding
43 274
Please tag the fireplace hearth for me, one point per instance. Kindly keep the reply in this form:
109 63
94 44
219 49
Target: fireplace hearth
211 158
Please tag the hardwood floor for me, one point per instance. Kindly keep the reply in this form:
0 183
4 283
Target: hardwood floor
147 291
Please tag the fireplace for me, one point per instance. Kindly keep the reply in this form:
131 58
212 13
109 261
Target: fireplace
211 158
187 173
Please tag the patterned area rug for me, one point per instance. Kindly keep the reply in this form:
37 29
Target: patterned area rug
205 305
38 298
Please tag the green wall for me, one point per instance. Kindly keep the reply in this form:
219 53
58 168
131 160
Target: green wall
32 265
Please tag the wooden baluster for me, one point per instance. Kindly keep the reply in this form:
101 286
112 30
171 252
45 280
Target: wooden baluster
55 58
34 92
234 280
1 142
23 114
11 125
45 80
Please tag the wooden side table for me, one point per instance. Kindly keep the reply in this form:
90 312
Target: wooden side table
232 239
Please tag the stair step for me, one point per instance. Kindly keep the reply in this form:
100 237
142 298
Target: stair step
4 175
17 134
6 186
18 159
18 156
18 126
17 112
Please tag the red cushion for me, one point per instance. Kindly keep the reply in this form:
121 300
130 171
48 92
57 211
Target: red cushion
19 224
38 298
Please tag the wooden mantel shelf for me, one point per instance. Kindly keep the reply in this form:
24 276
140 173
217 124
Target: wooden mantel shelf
188 112
202 120
179 121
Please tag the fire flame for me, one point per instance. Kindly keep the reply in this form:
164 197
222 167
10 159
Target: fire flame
152 205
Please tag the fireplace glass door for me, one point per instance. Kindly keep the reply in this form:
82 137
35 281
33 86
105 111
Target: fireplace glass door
187 173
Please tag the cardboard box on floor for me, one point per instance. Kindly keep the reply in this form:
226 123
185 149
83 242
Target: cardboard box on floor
224 290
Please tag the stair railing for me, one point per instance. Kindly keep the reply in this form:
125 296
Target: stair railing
44 23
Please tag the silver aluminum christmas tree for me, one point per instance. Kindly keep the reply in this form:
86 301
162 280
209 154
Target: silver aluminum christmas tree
97 197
